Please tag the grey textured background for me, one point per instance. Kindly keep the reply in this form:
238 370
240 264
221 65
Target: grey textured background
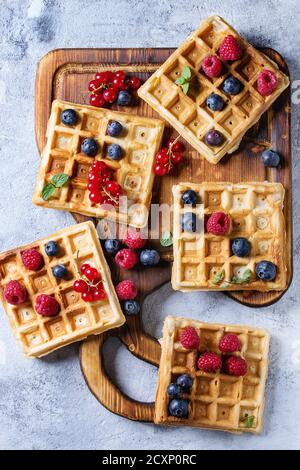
45 403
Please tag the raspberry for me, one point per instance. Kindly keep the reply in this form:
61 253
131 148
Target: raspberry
126 290
126 258
229 343
230 49
266 83
32 259
46 305
209 362
218 223
189 338
212 66
15 293
133 239
234 365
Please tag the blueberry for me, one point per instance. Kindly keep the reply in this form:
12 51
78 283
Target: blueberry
131 307
114 151
69 117
214 138
188 222
189 197
114 128
241 247
60 271
51 248
215 102
124 98
149 257
185 382
89 147
112 246
270 158
266 271
232 86
173 390
179 408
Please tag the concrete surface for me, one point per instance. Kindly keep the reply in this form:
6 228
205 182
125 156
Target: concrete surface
45 403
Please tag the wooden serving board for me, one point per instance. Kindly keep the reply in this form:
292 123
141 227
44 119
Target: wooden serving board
65 74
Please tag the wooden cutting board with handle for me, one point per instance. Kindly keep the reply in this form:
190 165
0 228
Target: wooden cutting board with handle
65 74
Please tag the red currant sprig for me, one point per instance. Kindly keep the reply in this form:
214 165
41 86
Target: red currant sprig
102 188
168 157
90 284
106 86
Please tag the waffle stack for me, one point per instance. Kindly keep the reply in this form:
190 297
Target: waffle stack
188 113
139 140
216 401
203 261
77 319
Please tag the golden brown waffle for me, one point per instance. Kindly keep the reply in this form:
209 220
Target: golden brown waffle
188 114
140 141
201 259
77 319
216 401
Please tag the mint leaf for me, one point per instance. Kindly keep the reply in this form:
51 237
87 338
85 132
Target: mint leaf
185 88
186 73
225 285
219 277
249 421
180 81
60 180
47 191
166 239
246 277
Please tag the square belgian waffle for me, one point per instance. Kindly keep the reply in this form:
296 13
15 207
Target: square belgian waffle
140 140
216 401
77 319
188 114
200 258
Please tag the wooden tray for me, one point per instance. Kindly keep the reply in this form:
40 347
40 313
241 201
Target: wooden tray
65 74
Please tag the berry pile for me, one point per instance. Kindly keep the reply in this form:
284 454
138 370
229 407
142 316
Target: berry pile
168 157
128 258
127 292
110 87
90 285
102 188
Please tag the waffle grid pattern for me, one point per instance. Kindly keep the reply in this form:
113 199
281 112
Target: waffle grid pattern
188 114
216 401
139 140
77 319
256 214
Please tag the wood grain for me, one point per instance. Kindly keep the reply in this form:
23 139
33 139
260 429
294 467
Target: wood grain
64 74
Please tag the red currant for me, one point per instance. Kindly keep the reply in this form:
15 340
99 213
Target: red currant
96 198
120 74
94 85
119 84
87 296
114 188
94 177
110 95
176 158
97 100
162 157
177 147
105 77
98 166
94 186
135 83
92 274
160 170
99 294
84 267
106 175
80 286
